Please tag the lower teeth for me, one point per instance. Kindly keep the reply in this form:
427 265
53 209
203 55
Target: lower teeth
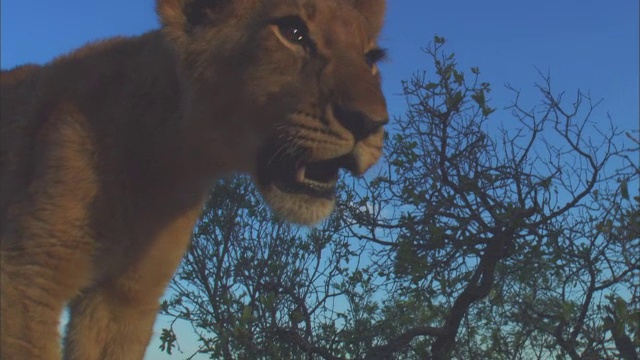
317 185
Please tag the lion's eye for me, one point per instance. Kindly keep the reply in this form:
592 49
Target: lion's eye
293 29
374 56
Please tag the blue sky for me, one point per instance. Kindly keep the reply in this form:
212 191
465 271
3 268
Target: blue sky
585 44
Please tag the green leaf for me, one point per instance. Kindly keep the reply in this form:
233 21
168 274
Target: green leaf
431 86
479 98
168 339
486 111
458 77
621 308
567 310
247 315
624 190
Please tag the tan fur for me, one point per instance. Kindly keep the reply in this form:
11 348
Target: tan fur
108 152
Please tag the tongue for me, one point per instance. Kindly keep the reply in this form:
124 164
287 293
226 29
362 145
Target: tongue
300 174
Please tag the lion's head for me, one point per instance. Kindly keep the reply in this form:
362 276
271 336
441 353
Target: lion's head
301 98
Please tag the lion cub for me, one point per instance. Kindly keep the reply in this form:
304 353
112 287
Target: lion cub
107 154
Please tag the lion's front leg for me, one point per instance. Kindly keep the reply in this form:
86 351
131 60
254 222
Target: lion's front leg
42 267
28 316
46 244
106 325
114 320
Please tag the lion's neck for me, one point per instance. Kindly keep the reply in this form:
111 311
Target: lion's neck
129 92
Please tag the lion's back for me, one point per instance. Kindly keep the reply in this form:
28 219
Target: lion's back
18 121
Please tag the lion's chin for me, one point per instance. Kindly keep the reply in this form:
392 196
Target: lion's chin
298 208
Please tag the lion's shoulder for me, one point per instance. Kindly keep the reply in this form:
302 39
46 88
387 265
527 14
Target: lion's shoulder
17 75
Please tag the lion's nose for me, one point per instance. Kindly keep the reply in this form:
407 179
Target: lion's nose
359 123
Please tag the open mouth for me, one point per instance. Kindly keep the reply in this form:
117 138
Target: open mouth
295 173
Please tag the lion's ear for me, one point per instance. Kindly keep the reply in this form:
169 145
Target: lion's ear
374 11
180 17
